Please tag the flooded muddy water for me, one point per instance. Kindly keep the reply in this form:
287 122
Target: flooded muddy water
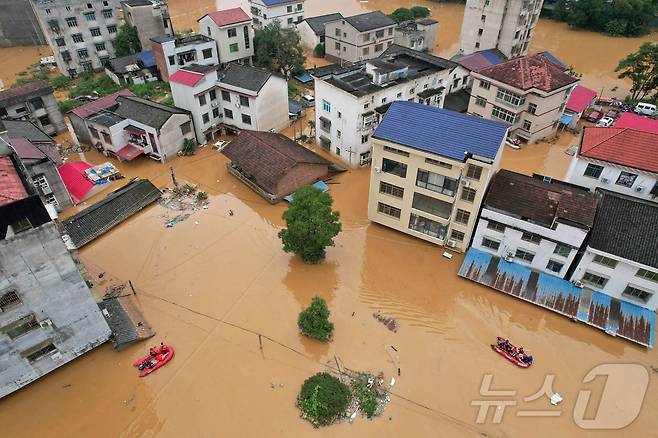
14 60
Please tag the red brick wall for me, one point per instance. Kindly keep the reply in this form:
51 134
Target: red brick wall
300 175
160 61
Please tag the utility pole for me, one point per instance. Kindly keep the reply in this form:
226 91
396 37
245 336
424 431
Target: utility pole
173 177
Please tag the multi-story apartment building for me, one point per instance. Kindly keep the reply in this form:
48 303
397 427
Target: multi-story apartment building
417 35
350 101
430 170
621 160
535 221
150 17
235 98
621 259
506 25
286 12
359 37
232 31
79 33
529 93
311 29
174 52
48 315
34 102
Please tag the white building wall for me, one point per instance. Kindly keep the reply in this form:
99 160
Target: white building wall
270 109
169 49
641 187
510 240
308 37
264 15
622 275
220 34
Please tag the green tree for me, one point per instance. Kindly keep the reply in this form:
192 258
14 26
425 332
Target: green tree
279 50
641 68
314 320
420 11
323 398
127 41
319 51
311 225
402 14
60 82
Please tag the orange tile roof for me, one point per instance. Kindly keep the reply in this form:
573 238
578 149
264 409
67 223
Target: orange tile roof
623 146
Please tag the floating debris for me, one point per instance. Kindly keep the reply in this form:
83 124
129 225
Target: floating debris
180 218
389 322
114 290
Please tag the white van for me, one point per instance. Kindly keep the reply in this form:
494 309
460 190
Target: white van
646 109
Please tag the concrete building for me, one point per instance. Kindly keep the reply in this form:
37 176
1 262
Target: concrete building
363 36
417 35
536 221
621 160
174 52
49 316
579 100
232 31
77 116
79 33
34 102
311 29
529 93
139 68
350 101
621 258
233 99
150 17
430 170
19 25
506 25
286 12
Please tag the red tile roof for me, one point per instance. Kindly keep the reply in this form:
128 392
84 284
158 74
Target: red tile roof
26 150
186 77
11 186
639 123
96 106
74 178
26 91
534 71
623 146
580 98
229 16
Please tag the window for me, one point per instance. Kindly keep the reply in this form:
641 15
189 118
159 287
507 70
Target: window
457 235
527 125
50 199
562 250
532 108
72 22
379 47
379 34
427 226
47 11
41 182
389 210
366 51
172 60
395 168
468 195
490 243
480 31
326 106
340 115
626 179
480 101
21 326
96 32
477 45
436 182
112 28
299 6
90 16
364 139
89 6
213 95
390 189
637 293
290 20
396 151
247 42
99 47
462 216
8 300
233 47
289 9
246 119
186 128
337 32
484 17
338 151
77 38
232 33
66 56
39 351
432 205
531 237
503 114
244 101
205 117
60 42
215 113
474 172
207 53
390 31
107 13
412 91
554 266
647 275
202 100
383 100
338 133
226 96
593 171
605 261
594 279
484 84
524 255
83 54
366 106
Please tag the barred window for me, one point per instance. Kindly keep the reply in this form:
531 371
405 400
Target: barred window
462 216
390 189
389 210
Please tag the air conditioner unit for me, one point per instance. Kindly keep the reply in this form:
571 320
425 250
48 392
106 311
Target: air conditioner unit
45 323
605 180
578 283
214 103
639 189
451 243
377 169
237 105
466 183
508 257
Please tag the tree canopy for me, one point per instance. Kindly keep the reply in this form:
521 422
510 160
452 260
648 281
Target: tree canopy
641 67
314 320
323 398
279 49
617 18
405 14
127 41
311 224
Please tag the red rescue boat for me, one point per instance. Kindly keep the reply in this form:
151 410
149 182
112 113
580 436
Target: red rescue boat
511 353
157 358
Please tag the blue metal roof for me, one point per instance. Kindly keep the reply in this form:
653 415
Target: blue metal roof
493 56
276 2
553 59
304 78
440 131
147 58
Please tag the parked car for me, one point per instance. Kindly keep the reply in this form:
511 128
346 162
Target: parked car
309 98
645 109
605 122
594 116
613 114
219 145
86 98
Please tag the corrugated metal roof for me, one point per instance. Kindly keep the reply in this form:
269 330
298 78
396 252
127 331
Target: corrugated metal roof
148 58
188 78
440 131
580 98
11 186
